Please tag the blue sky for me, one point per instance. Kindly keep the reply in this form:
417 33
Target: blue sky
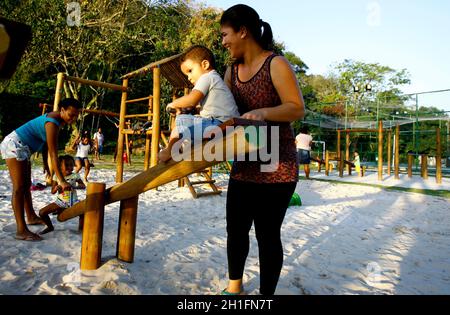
411 34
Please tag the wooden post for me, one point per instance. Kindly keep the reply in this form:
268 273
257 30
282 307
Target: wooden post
410 165
91 246
120 140
347 151
327 163
380 150
338 145
341 165
127 229
127 149
425 166
156 115
389 153
397 152
148 138
438 157
58 92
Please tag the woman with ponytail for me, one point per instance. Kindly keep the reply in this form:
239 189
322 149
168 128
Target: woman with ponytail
265 88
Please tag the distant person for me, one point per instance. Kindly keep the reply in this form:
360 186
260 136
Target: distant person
304 142
357 163
99 140
216 99
37 135
65 198
83 147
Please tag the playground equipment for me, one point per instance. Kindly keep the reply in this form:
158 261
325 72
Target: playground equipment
234 144
338 156
169 68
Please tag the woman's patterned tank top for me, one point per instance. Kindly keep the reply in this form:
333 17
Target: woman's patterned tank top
259 92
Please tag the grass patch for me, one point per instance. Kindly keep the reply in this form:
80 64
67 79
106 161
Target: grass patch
429 192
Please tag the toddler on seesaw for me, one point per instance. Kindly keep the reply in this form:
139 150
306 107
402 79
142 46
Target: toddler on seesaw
210 91
65 198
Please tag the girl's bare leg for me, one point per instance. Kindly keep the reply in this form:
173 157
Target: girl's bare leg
32 218
44 214
18 172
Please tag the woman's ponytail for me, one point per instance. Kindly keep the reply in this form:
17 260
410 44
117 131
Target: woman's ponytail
266 41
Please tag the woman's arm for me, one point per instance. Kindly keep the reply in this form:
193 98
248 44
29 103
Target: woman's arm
227 77
292 106
52 132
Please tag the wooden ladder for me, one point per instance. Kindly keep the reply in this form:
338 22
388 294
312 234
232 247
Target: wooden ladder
209 181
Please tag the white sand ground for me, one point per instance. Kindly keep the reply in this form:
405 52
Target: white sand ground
343 240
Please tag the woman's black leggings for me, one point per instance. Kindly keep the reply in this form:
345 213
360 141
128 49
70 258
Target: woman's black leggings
265 205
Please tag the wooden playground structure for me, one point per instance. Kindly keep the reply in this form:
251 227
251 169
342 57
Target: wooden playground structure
91 211
169 68
342 162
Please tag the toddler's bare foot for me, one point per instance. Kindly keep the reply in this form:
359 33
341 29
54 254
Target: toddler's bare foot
164 155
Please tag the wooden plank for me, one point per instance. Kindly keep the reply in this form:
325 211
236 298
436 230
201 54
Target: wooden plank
109 86
165 173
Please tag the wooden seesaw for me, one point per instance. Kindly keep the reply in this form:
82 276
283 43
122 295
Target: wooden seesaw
235 142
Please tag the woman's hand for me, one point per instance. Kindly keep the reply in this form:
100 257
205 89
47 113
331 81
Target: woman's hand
257 114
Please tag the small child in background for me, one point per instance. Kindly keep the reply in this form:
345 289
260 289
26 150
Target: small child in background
66 198
357 163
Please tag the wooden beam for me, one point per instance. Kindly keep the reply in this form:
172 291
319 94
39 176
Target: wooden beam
389 153
347 151
91 246
359 130
109 86
59 91
120 140
380 150
148 138
156 126
338 145
397 152
438 157
101 112
139 116
165 173
138 100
